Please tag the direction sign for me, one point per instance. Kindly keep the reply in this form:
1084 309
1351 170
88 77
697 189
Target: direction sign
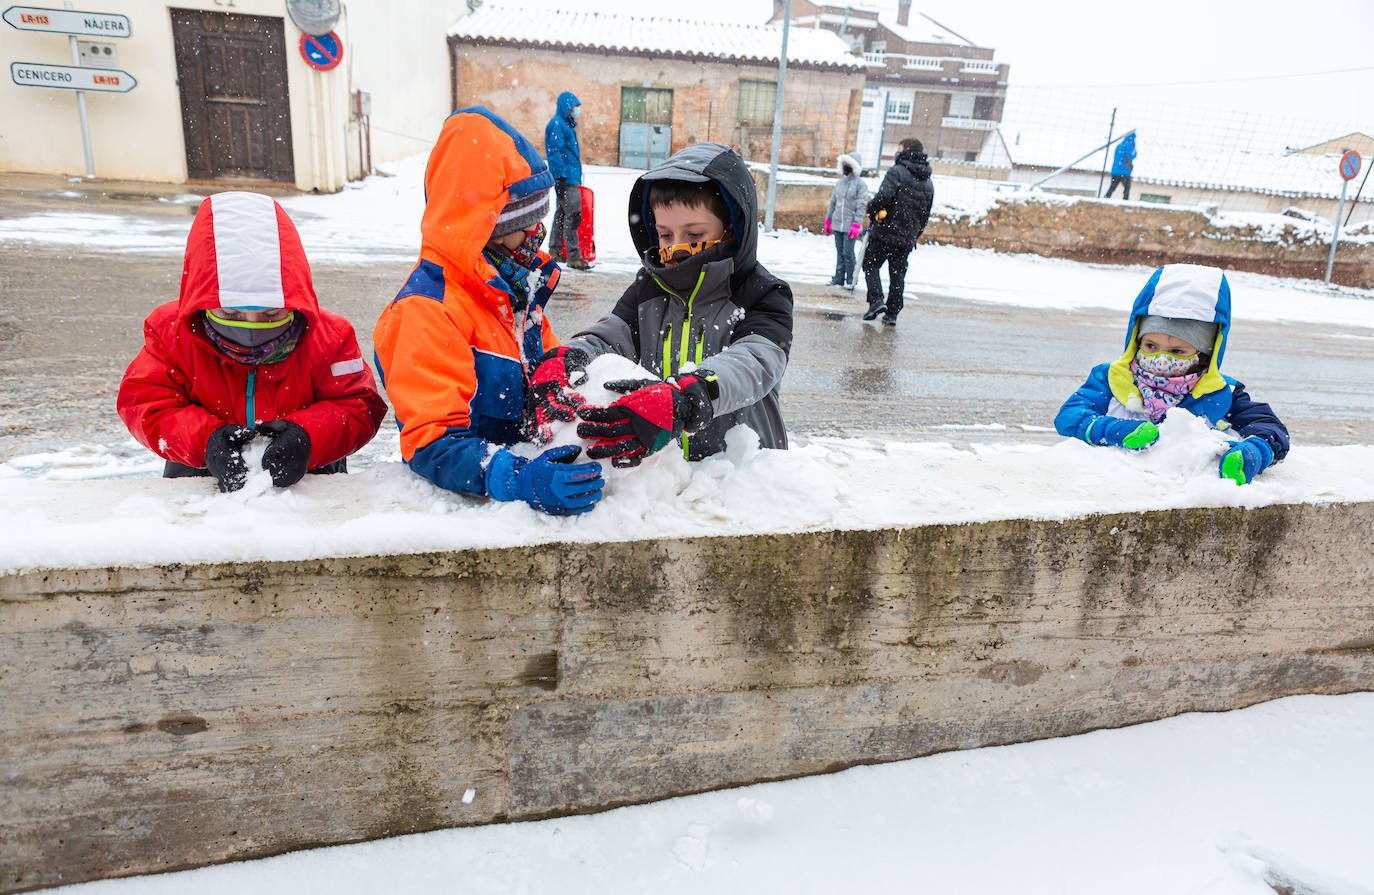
71 77
69 21
1350 164
322 51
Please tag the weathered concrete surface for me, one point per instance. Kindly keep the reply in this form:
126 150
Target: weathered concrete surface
1112 233
163 718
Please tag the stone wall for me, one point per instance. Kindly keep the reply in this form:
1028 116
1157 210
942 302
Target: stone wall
170 717
522 85
1110 233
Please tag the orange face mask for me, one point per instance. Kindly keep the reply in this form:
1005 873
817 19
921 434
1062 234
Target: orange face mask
676 254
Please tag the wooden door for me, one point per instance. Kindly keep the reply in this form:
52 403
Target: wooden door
235 109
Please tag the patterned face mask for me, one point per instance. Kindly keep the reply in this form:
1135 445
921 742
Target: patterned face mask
679 252
247 333
527 253
1163 380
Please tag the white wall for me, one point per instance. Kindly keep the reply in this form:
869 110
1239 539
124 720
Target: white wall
397 50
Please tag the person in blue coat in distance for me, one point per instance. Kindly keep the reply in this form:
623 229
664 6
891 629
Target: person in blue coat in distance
1123 163
1175 340
565 163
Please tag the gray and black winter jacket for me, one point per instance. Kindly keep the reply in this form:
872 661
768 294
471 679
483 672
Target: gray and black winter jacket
720 310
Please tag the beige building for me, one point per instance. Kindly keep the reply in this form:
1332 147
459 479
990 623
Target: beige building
650 85
225 93
924 80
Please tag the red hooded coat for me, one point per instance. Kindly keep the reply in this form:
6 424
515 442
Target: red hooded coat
243 251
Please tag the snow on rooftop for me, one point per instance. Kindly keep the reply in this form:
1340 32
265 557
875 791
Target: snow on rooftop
658 35
918 29
1175 163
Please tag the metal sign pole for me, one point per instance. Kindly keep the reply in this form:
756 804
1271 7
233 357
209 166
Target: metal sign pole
81 106
1336 234
777 120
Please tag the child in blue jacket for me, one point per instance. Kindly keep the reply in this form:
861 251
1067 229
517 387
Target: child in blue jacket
1174 346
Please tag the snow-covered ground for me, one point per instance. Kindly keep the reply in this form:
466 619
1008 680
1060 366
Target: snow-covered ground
1236 804
1273 798
97 504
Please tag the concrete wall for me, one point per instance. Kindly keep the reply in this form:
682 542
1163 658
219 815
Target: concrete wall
522 85
1111 233
163 718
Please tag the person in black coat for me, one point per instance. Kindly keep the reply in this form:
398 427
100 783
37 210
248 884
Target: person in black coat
899 212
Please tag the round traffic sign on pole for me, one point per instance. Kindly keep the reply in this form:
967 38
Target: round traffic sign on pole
321 51
1350 164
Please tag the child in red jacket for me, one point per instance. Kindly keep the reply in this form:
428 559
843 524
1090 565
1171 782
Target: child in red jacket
246 351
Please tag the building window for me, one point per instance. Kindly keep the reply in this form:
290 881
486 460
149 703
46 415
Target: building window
756 102
646 105
984 107
899 103
960 105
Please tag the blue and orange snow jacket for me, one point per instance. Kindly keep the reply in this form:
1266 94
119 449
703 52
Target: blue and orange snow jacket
455 346
1193 292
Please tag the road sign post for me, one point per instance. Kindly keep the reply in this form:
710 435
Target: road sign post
76 77
1349 167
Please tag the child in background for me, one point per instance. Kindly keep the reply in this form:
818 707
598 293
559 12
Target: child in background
456 344
844 217
702 314
1174 345
245 352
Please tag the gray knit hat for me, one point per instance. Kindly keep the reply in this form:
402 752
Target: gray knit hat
522 213
1197 333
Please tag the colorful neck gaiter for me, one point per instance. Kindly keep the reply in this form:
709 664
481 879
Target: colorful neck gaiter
269 352
1163 380
679 252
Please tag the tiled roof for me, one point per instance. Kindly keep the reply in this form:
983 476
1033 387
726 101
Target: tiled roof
655 35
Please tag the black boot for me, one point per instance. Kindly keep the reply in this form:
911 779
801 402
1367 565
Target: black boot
873 311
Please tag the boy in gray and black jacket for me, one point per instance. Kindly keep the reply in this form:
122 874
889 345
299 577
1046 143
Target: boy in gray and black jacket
702 314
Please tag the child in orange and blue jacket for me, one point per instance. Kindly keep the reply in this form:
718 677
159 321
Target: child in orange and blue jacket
455 347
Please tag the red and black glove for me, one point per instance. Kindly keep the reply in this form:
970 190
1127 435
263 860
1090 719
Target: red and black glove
552 398
649 416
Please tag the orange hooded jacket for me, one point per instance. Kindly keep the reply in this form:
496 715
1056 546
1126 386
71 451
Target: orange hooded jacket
243 251
453 351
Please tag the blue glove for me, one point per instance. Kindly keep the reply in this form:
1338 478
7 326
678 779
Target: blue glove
551 482
1131 434
1245 460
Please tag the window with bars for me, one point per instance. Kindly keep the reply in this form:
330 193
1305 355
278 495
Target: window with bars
646 105
757 100
899 103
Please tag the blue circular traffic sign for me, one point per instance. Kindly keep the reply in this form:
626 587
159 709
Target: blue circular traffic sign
322 51
1350 164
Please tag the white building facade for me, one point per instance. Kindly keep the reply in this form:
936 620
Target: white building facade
230 91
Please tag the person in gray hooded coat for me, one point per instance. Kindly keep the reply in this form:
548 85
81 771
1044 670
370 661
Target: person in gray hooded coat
844 216
703 315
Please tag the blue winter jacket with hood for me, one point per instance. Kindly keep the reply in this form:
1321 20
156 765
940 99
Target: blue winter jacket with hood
1123 161
560 141
1192 292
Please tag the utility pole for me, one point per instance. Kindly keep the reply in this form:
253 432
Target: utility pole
777 119
1100 177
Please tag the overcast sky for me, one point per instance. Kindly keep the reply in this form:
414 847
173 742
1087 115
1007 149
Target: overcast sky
1226 53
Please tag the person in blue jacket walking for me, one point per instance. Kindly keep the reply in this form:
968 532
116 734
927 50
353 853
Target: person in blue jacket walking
565 163
1175 341
1123 163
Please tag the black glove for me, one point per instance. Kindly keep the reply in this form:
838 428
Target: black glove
288 456
649 416
224 455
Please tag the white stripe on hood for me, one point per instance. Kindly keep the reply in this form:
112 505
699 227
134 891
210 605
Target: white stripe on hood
247 250
1187 290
